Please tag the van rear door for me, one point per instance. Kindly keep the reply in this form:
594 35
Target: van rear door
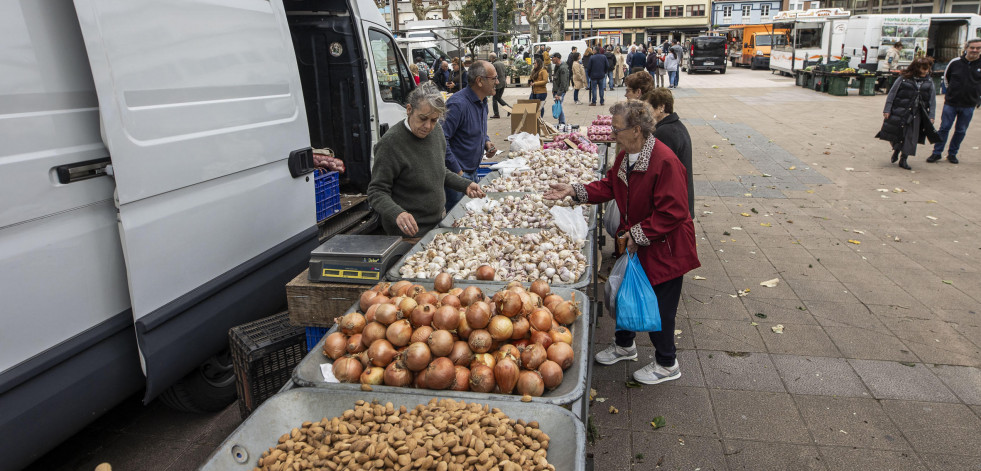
201 107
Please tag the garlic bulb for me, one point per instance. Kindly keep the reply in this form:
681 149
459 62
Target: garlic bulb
527 211
548 166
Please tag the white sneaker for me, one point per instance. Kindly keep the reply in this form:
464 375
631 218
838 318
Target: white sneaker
615 353
654 373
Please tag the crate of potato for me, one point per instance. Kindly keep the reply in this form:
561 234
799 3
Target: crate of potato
512 211
415 338
497 256
322 429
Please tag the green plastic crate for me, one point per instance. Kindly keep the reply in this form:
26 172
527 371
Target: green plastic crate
838 86
867 86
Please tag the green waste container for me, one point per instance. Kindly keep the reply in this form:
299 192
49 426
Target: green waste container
801 78
867 85
838 86
820 83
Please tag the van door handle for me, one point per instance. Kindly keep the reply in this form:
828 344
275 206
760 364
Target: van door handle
382 129
79 171
300 162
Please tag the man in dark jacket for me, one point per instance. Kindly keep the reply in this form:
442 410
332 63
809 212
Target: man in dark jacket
596 68
611 59
502 76
673 133
637 60
560 84
963 79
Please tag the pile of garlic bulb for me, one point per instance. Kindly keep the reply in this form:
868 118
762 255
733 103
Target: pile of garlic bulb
550 255
548 166
526 211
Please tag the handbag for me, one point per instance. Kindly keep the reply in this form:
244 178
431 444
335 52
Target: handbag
637 309
557 109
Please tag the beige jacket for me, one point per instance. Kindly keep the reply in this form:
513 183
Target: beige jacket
578 76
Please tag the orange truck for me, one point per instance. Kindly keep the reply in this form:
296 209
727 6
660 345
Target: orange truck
750 44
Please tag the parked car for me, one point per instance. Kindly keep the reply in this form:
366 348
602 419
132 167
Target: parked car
708 53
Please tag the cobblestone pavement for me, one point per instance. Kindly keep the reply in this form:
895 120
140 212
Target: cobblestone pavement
878 363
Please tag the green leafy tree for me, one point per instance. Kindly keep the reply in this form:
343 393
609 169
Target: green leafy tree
479 14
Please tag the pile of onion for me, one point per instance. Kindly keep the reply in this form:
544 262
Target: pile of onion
516 341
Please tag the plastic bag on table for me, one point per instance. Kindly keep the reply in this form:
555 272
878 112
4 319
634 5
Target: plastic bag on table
613 284
637 309
506 167
571 221
524 141
611 218
482 205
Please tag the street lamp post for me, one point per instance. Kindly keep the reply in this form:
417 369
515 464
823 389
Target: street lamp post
495 27
579 13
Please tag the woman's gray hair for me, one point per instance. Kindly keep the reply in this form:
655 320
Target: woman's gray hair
636 113
429 94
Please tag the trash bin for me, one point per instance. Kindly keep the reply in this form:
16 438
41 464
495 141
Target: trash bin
801 78
837 86
866 85
820 83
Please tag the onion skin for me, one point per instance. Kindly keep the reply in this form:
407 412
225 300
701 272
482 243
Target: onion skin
551 374
464 330
425 298
422 315
440 373
530 383
551 301
461 355
520 328
373 375
415 290
562 354
470 294
363 358
397 376
348 370
560 334
446 318
404 289
441 343
533 356
381 287
508 350
485 359
501 328
541 338
509 304
420 381
485 273
482 379
335 345
565 313
461 379
399 333
369 315
407 305
417 357
386 314
540 287
521 343
451 300
541 319
354 344
394 289
381 352
478 315
455 291
480 341
365 297
372 332
443 282
506 373
421 334
380 299
352 323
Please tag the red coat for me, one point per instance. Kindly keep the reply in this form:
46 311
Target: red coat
656 203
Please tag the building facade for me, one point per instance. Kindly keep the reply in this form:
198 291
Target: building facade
737 12
626 23
868 7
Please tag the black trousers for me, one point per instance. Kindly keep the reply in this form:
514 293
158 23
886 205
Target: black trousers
668 295
498 99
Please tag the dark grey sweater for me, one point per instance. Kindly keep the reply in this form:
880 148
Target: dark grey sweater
408 175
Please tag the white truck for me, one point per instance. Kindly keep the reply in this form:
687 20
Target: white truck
815 35
941 36
156 188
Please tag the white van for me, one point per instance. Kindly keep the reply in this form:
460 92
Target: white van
156 188
941 36
815 35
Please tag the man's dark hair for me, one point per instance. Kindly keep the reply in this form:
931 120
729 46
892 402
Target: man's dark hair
418 58
661 96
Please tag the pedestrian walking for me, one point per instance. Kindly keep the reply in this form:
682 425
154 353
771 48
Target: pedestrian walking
539 81
679 53
654 65
560 85
638 62
596 70
611 60
578 77
619 67
963 79
502 72
909 111
671 63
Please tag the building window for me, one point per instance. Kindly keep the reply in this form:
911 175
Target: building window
746 10
652 12
640 12
629 11
765 9
727 11
573 13
696 10
596 14
674 11
616 13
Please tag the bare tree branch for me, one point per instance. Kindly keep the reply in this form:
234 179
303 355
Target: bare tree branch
421 8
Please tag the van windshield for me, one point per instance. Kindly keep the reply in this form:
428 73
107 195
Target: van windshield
710 44
771 40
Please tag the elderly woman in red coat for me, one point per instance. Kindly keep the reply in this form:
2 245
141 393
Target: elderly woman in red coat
650 186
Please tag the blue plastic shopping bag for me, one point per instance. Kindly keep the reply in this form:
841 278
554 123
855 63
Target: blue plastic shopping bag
556 109
636 303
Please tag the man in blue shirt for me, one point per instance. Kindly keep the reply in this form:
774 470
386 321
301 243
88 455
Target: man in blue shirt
465 126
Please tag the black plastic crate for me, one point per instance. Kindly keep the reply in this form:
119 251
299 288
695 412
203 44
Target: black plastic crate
264 353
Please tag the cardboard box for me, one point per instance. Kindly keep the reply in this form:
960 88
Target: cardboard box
524 116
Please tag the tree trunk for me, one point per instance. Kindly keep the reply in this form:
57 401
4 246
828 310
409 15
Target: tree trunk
533 31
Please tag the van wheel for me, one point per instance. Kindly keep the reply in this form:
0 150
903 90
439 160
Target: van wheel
209 388
722 71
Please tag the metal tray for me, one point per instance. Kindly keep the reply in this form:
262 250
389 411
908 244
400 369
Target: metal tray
460 209
308 374
584 279
286 410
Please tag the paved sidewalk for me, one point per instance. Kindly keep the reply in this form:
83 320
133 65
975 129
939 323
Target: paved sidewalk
878 295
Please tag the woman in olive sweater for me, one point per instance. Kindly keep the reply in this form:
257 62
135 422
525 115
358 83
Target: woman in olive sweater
409 172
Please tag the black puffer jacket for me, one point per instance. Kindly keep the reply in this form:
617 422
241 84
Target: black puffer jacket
963 83
908 101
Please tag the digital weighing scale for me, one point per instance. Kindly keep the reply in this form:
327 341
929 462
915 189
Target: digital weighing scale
361 259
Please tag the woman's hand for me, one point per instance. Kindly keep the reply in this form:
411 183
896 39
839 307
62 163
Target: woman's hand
931 120
407 223
885 115
474 191
559 191
631 245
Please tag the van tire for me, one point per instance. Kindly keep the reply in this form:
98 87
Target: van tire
722 71
209 388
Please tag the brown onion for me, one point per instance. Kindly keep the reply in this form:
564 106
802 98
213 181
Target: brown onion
521 343
533 356
443 282
381 287
405 289
440 373
551 301
515 286
565 312
520 328
335 345
551 374
354 344
372 332
421 334
541 319
480 341
478 315
420 381
415 290
441 343
451 300
470 294
560 334
393 290
369 315
399 333
363 358
506 373
482 379
562 354
374 375
380 299
485 359
485 273
508 350
501 328
425 298
386 314
461 355
461 379
417 356
530 383
365 297
422 315
455 291
541 338
347 369
463 330
446 318
352 323
381 352
395 375
407 305
540 287
509 304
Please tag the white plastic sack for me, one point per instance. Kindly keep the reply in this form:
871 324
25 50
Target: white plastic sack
482 205
524 141
506 167
613 284
611 218
570 221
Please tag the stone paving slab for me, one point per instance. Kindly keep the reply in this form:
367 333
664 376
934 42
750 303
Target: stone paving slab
820 376
902 380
